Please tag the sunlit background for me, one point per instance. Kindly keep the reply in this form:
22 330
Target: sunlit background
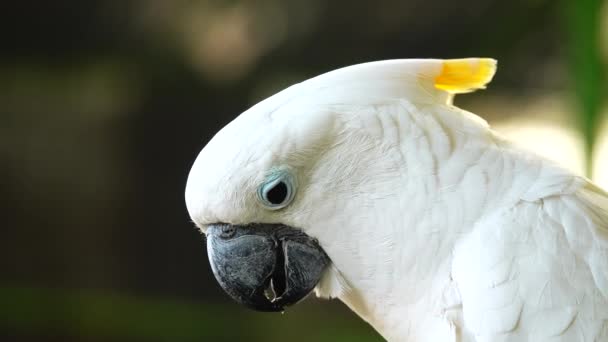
105 104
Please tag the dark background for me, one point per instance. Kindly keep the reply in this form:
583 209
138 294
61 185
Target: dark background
104 106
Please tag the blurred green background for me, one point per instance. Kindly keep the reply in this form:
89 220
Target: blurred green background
104 106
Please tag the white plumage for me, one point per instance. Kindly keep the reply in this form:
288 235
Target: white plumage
437 228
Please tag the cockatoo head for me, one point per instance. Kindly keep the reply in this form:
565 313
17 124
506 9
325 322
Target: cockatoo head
291 194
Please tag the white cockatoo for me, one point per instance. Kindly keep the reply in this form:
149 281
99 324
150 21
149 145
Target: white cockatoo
368 185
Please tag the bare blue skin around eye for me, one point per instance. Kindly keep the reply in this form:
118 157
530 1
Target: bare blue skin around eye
274 177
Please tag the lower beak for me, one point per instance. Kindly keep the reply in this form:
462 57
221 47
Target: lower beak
265 266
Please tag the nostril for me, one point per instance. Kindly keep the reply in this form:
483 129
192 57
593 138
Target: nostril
227 231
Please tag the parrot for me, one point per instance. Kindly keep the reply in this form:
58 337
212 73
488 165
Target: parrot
368 185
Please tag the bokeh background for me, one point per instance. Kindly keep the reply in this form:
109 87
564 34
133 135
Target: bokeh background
104 106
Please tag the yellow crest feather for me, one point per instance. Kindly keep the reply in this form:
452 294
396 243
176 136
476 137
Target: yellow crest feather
460 76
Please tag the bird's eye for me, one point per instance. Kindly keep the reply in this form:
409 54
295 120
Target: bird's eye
277 191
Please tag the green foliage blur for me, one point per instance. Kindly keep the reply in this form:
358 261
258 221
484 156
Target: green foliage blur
104 105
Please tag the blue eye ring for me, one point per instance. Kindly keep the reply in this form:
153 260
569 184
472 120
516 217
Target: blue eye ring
278 190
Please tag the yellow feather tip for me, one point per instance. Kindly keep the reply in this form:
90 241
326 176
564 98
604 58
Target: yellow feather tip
465 75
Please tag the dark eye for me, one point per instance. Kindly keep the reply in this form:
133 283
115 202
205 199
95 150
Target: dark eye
278 190
277 194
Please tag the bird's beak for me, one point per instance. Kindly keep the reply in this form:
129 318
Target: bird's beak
265 266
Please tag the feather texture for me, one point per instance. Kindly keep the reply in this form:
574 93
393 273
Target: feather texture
537 271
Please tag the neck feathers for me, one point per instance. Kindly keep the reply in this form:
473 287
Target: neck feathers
422 181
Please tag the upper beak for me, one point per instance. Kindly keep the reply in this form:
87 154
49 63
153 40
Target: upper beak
265 266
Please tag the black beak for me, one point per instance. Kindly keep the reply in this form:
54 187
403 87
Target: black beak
265 266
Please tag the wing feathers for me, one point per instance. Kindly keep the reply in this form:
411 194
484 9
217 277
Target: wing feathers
556 248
